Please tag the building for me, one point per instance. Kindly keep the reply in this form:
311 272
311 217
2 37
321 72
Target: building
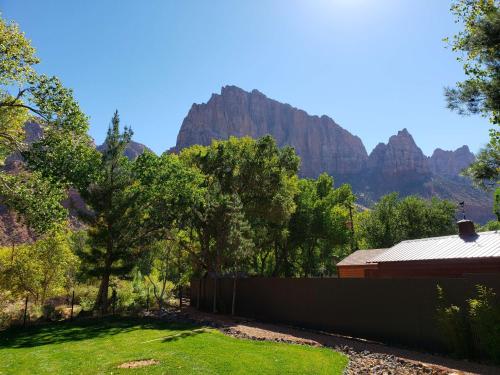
356 265
449 256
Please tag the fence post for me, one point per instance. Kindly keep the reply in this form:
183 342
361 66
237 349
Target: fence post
72 303
25 311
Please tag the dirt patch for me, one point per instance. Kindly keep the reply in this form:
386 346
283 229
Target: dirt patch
139 363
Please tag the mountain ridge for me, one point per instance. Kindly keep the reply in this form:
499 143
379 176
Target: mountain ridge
324 146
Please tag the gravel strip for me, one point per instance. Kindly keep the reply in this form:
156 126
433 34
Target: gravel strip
361 363
365 357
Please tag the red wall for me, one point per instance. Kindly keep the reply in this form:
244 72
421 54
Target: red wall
435 268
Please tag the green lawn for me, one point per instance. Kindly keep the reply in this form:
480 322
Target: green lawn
98 347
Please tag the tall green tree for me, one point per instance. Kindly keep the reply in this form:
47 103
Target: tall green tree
129 204
109 198
479 47
25 95
319 233
247 181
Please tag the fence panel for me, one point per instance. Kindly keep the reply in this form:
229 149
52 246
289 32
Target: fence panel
399 311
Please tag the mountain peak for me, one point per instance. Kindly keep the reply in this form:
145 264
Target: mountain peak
451 163
400 156
322 144
404 133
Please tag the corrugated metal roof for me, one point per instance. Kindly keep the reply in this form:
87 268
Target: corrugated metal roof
482 245
360 257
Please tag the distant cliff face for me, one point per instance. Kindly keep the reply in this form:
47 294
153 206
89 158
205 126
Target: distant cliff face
400 156
324 146
319 141
450 163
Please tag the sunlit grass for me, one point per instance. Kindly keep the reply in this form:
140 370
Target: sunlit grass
94 347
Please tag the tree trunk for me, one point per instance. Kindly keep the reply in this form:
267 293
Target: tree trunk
233 305
160 304
180 299
102 297
199 295
214 307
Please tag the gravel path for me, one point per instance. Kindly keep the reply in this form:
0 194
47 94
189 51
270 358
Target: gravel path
365 357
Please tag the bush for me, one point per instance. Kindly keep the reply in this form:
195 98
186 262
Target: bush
484 317
453 326
48 311
474 333
85 295
131 295
8 309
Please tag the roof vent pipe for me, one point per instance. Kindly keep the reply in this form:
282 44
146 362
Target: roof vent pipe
466 228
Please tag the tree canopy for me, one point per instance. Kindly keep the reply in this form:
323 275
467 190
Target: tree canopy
478 46
393 219
26 95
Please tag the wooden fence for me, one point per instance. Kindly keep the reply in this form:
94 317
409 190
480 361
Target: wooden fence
394 311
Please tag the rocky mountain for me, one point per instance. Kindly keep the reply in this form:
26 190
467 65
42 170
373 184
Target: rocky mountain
450 163
324 146
400 156
321 143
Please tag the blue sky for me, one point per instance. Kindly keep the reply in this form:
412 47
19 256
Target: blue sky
374 66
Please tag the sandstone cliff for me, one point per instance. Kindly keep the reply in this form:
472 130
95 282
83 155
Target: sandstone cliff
321 143
324 146
450 163
399 157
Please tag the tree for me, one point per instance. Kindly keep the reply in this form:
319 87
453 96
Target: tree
24 95
318 230
393 220
129 204
109 198
258 174
479 93
248 199
480 48
42 269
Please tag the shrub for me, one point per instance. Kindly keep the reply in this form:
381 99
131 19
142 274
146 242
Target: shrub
85 295
484 317
48 311
453 326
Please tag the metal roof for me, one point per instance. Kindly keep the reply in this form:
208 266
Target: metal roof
360 257
480 245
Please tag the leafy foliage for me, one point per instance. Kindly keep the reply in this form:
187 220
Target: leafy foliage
24 94
453 326
41 270
479 46
249 188
472 331
479 43
484 316
319 231
393 220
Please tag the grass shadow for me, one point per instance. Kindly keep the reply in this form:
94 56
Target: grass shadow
183 335
60 332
